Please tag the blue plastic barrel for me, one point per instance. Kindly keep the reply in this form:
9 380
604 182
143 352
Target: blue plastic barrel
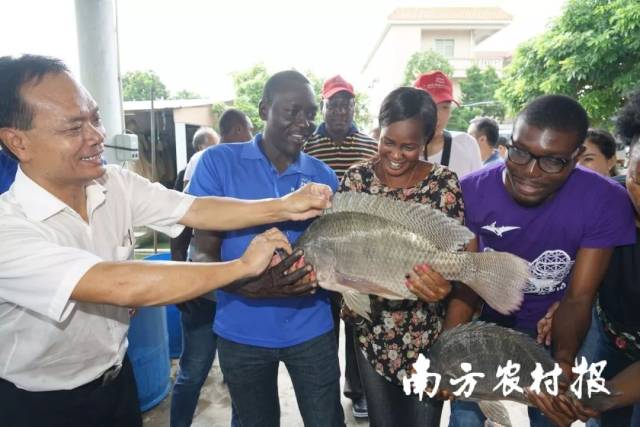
149 352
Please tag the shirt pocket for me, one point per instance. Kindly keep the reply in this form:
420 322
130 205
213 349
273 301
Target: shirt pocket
123 253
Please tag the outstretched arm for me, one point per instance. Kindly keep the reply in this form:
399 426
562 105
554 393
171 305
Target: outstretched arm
224 214
139 283
573 316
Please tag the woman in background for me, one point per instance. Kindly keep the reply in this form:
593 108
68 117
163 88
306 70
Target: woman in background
600 152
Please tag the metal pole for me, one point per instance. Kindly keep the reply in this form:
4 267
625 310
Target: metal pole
98 53
153 158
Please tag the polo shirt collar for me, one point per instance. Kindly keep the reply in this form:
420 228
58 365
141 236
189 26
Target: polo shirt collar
322 130
39 204
252 150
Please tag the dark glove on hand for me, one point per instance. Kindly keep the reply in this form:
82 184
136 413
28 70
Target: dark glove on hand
279 281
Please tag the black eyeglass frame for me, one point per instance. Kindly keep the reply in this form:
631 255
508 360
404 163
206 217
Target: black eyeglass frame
538 159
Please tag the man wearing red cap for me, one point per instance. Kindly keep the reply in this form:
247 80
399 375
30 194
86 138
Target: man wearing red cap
339 144
458 152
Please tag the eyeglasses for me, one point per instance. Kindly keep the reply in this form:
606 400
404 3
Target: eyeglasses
548 164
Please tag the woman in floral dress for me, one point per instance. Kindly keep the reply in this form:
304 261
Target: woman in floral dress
400 330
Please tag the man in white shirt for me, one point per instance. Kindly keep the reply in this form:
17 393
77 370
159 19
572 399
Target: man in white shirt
459 151
203 138
66 230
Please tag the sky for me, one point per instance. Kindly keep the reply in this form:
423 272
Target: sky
197 44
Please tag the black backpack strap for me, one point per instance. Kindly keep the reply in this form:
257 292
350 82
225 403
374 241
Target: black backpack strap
446 150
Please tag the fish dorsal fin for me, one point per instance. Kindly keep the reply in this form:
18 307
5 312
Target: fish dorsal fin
479 329
444 232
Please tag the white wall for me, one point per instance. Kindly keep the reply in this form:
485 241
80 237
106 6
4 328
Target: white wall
386 69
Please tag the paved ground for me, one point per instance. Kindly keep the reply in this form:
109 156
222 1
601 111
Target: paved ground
214 407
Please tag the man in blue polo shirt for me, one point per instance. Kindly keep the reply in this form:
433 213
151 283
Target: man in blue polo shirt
259 327
8 168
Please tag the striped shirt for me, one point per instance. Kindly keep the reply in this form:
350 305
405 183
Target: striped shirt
356 148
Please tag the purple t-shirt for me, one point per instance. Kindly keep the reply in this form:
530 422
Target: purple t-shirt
588 211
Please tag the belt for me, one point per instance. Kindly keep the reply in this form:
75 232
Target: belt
625 341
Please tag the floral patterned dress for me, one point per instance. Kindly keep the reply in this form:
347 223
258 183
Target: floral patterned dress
400 330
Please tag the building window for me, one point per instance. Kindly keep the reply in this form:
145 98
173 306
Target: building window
444 47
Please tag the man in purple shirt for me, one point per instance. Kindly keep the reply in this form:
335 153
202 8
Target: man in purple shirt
562 219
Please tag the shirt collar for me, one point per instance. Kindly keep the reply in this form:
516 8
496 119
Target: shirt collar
322 130
39 204
495 156
252 150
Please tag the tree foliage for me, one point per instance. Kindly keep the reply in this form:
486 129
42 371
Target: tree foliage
185 94
591 52
421 62
478 98
248 85
136 86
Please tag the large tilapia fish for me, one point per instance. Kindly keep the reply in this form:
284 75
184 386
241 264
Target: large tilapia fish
365 244
485 346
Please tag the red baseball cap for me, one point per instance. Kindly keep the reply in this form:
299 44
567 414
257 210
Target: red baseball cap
334 85
436 84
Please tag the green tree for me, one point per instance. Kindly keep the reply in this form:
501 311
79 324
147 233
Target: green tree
185 94
421 62
248 85
136 86
591 52
478 98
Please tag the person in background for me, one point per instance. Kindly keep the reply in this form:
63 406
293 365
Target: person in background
8 169
196 316
458 152
339 144
67 281
564 220
503 146
399 331
486 132
203 138
614 334
235 126
599 152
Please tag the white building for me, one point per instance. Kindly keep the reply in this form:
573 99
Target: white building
458 33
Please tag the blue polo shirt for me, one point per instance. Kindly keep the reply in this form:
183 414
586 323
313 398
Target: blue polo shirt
243 171
8 169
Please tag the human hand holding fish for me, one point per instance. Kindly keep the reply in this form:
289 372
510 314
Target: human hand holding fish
288 275
307 202
561 410
545 324
427 284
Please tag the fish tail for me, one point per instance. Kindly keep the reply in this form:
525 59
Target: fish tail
599 402
358 303
496 413
498 278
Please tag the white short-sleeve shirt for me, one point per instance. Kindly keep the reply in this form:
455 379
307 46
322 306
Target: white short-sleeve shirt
191 166
465 154
47 340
